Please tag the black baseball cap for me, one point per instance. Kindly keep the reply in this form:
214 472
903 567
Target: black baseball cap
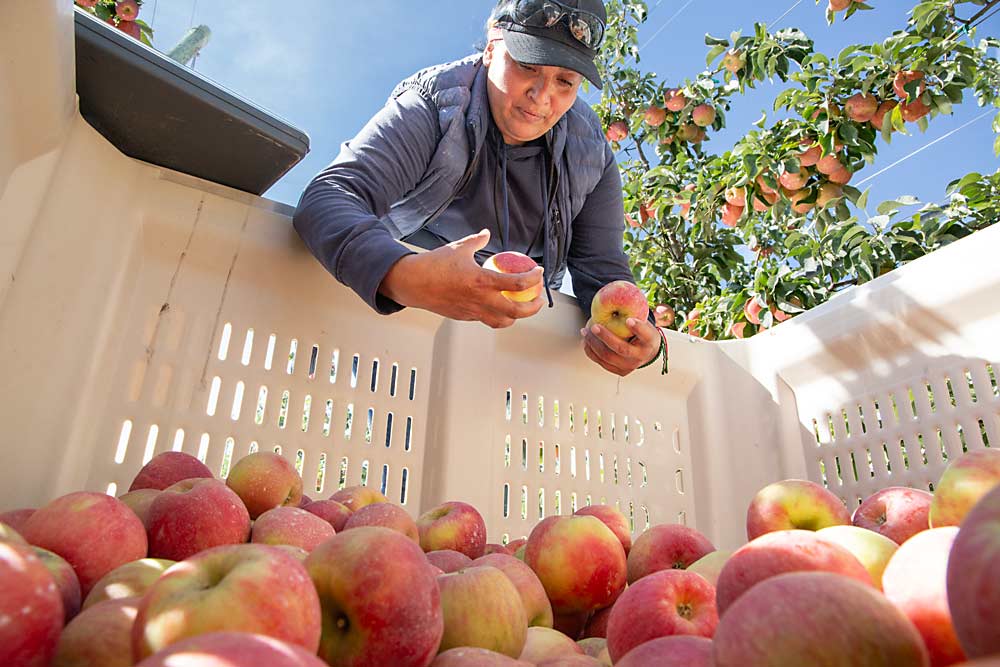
553 46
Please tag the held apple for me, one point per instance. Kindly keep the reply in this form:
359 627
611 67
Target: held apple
514 262
615 303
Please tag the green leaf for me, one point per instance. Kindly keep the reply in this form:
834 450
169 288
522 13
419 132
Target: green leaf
863 199
714 53
715 41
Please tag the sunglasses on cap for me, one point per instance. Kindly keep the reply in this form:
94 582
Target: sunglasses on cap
586 28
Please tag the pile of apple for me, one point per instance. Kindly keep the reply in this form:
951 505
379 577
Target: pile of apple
187 570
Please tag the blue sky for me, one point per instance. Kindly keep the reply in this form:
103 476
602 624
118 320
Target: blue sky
326 66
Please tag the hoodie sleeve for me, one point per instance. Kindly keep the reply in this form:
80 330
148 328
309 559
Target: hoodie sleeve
338 214
596 253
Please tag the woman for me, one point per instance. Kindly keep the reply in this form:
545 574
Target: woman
490 153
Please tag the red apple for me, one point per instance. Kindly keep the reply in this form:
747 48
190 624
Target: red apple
593 646
453 525
381 604
240 588
130 580
448 560
794 180
465 656
780 552
356 497
514 262
811 153
883 109
734 61
16 518
194 515
965 480
572 624
130 28
673 651
546 644
494 548
655 115
615 303
973 579
794 503
906 79
617 131
168 468
65 578
668 602
703 115
8 534
897 512
94 532
579 561
86 3
871 549
31 608
292 526
861 107
613 519
482 609
264 480
139 501
127 10
822 620
100 635
232 649
597 624
533 598
914 580
572 661
386 515
710 565
674 99
330 511
666 546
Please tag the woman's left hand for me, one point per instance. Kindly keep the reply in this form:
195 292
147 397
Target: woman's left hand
619 356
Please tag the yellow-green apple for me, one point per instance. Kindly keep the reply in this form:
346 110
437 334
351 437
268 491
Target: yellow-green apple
356 497
688 132
883 109
571 624
579 561
811 153
871 549
511 261
453 525
331 511
94 532
668 602
545 644
482 609
101 635
673 651
520 551
710 565
232 649
828 192
613 519
32 608
617 131
655 115
794 503
615 303
736 196
897 512
130 580
448 560
292 526
861 107
194 515
168 468
264 480
593 646
822 620
907 82
514 545
597 624
237 587
794 180
734 60
16 518
65 578
666 546
703 115
380 600
973 579
386 515
915 581
674 99
533 598
8 534
778 553
139 502
965 480
465 656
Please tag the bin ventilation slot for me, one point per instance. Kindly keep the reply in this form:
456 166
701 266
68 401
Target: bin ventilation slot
586 422
385 480
508 403
349 422
364 473
993 381
573 505
393 376
151 437
506 501
541 456
123 439
247 348
258 416
524 409
306 409
334 362
404 478
388 430
227 332
213 396
409 428
293 348
283 409
178 440
300 461
413 383
524 502
586 464
272 342
342 480
541 504
506 452
368 425
327 417
541 411
557 503
203 447
557 466
354 370
555 414
600 426
374 382
600 467
320 473
227 458
254 446
524 454
572 425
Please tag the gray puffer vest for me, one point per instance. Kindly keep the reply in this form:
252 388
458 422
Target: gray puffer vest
577 146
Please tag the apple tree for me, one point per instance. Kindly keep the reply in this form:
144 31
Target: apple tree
735 241
122 14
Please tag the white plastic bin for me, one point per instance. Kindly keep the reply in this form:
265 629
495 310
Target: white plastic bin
142 310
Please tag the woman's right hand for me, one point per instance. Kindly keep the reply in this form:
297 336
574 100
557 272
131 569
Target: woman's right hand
449 282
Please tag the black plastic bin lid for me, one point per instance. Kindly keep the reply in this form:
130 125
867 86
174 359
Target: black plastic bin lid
153 109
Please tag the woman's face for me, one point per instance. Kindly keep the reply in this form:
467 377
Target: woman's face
526 100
